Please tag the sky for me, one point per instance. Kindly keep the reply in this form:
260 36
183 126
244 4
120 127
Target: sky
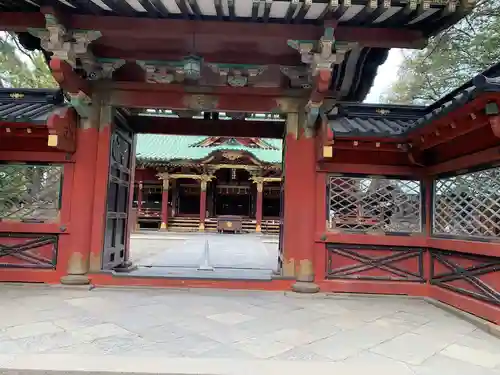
386 75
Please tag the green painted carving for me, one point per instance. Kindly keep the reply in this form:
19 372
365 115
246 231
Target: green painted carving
67 45
237 66
82 104
175 64
237 81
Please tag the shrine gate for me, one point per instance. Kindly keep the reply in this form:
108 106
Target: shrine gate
377 198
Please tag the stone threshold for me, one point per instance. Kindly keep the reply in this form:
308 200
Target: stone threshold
67 364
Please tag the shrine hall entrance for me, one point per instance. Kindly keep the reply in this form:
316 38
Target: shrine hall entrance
232 194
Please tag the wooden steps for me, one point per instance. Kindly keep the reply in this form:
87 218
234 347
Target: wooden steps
270 227
191 224
183 224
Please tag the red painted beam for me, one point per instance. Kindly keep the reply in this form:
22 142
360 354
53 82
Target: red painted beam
219 55
19 227
221 128
487 156
178 98
39 156
125 27
20 21
446 133
180 89
22 129
369 169
362 145
452 125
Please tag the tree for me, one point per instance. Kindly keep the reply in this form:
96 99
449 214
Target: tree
20 68
451 58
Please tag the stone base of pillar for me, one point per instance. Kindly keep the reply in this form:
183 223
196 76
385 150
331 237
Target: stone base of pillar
163 226
126 266
201 228
258 228
305 287
75 280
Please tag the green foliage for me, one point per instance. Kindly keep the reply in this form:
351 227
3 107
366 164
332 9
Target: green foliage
450 59
20 68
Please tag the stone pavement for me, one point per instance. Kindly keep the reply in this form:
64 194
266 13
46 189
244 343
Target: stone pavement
236 332
236 256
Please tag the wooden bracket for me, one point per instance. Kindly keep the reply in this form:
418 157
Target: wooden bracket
67 78
62 125
77 88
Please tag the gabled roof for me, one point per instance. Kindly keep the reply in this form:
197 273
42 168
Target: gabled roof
29 105
253 143
153 148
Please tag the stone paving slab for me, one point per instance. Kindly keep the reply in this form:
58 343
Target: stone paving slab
240 251
234 332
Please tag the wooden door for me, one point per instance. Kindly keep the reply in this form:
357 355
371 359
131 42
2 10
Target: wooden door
119 184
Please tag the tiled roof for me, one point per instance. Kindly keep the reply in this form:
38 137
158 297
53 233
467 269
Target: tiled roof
488 81
161 148
29 105
371 120
353 119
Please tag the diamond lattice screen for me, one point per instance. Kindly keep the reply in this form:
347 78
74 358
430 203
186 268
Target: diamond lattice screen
374 204
468 205
30 192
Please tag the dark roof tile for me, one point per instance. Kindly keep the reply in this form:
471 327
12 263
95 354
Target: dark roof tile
29 105
353 119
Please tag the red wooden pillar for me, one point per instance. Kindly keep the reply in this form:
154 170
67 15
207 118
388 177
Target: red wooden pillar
164 204
299 207
82 198
139 205
258 213
101 184
203 204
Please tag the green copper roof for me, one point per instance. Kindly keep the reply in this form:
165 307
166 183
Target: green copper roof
163 148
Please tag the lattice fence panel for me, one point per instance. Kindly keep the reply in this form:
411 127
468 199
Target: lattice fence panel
30 192
468 205
362 204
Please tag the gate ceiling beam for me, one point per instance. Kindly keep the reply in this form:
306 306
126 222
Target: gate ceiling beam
220 128
163 96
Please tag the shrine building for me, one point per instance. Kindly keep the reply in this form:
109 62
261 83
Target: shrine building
184 183
267 97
